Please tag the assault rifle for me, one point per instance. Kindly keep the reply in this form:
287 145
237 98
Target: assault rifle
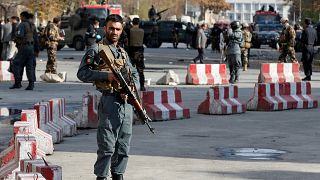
132 98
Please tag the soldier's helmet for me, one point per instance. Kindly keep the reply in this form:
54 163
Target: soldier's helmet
235 25
245 25
283 20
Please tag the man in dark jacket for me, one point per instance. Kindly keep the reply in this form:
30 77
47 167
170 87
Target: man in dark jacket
92 34
308 39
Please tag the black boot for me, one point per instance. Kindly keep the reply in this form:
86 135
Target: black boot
30 86
117 176
101 178
17 85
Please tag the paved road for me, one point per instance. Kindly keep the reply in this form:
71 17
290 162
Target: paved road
190 148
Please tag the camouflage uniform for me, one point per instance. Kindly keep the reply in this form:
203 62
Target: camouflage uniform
246 46
114 114
54 37
287 42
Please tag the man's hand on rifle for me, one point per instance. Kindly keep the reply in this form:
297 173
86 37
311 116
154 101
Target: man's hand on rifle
111 77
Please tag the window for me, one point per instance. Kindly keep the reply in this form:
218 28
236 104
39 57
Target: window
256 7
247 7
239 7
231 16
238 16
247 17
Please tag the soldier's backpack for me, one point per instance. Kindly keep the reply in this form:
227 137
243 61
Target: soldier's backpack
44 38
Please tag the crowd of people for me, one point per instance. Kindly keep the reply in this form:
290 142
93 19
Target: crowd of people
234 41
20 45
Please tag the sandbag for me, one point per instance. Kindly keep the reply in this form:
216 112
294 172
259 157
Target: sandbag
54 78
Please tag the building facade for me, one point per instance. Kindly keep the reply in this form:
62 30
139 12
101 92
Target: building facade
243 10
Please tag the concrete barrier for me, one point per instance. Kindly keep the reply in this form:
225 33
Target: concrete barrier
281 96
44 140
58 117
29 176
5 75
279 72
24 144
88 114
46 169
207 74
222 100
45 122
8 154
164 104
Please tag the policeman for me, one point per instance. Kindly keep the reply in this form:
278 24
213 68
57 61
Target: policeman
233 52
28 47
91 34
136 50
287 42
54 37
308 39
246 45
114 113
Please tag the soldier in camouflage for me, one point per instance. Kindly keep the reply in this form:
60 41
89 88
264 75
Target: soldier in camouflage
54 37
287 42
246 45
114 113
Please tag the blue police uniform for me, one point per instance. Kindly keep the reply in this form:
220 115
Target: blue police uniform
114 114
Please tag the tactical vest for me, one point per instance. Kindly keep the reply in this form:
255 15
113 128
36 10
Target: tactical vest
113 86
136 37
28 36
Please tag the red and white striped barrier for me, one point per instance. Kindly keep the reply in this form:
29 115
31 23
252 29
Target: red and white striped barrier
207 74
281 96
44 140
7 155
222 100
5 75
47 170
29 176
279 72
45 122
57 113
164 104
24 144
88 114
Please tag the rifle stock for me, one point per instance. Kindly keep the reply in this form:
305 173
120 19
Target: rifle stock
132 98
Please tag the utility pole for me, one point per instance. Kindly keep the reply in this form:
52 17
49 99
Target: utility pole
300 12
186 7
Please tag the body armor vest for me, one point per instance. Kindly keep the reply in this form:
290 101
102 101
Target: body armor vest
104 67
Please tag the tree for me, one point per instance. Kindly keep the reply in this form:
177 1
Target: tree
6 5
214 5
309 8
